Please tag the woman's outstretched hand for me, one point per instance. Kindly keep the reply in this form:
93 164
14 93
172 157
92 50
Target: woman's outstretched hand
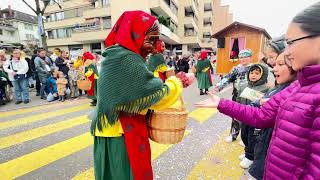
212 102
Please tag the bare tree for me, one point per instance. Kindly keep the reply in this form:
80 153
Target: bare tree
39 12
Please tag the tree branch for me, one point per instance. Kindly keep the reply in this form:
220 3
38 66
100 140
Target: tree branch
44 8
29 6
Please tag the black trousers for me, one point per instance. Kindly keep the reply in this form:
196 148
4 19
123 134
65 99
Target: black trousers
249 137
235 125
235 129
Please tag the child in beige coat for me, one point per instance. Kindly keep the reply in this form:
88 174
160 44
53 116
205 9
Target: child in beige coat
61 86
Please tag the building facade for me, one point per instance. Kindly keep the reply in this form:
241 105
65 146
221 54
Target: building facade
185 25
18 27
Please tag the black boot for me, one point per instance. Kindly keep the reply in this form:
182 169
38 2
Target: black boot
94 103
201 92
206 91
62 98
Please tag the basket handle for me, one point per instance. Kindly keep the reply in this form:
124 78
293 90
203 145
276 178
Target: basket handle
182 107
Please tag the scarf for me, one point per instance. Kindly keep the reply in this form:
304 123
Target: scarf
202 65
130 30
156 62
125 84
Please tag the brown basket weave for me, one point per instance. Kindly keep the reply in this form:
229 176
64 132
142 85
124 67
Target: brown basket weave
84 84
168 126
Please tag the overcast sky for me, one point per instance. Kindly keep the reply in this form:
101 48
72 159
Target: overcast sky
273 15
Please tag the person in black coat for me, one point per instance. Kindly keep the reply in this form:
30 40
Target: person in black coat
35 74
62 62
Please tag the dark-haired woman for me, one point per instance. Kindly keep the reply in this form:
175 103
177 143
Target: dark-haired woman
294 151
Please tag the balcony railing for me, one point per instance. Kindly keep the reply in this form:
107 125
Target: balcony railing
206 40
172 6
206 24
193 16
87 28
190 33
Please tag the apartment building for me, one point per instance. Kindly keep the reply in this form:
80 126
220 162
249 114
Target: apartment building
18 27
185 25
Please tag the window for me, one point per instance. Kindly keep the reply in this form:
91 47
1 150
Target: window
173 26
105 3
28 26
59 16
153 13
190 32
237 44
106 22
68 32
173 7
50 34
79 12
60 33
53 17
206 35
96 48
30 37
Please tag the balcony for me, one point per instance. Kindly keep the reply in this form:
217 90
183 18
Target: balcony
191 8
161 7
208 14
8 27
90 36
97 12
61 42
207 28
190 22
87 29
168 36
63 23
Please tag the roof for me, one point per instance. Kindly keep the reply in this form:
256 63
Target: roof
221 32
20 16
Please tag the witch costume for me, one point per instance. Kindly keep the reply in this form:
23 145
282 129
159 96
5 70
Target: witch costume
157 64
126 90
91 72
203 71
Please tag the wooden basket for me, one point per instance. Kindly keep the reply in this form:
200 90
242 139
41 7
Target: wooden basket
84 84
168 126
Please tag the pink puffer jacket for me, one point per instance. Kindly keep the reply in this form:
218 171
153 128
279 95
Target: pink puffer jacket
294 151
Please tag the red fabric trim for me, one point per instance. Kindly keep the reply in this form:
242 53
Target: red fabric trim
91 90
138 147
162 76
210 77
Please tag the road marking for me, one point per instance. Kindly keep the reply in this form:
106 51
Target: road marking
40 132
35 160
202 114
37 108
221 162
156 151
42 116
